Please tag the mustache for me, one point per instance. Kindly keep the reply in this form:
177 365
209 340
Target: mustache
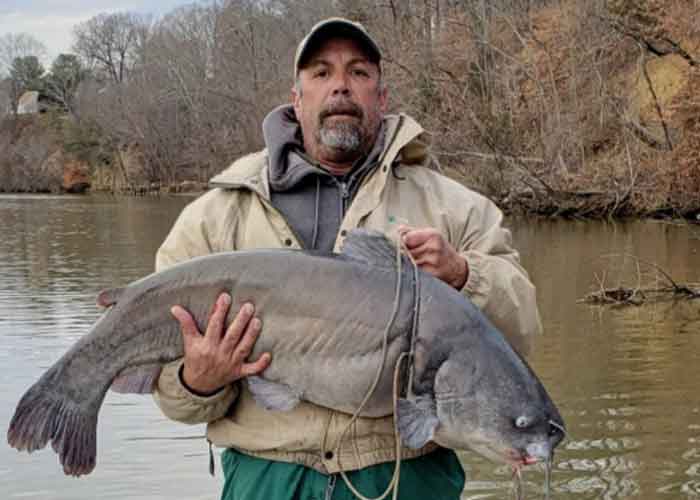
341 108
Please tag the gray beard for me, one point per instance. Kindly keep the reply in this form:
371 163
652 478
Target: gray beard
343 137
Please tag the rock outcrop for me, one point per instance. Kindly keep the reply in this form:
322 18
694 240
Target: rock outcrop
68 174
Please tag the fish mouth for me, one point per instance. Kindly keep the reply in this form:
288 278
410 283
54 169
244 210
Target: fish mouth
533 453
513 457
503 454
520 459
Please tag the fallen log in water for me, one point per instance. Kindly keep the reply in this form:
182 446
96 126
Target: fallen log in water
661 287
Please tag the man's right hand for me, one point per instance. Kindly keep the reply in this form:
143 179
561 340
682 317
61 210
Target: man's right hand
217 358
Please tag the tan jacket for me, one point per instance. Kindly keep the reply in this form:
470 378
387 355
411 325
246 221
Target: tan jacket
237 215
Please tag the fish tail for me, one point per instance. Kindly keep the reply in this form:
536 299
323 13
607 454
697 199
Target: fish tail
42 416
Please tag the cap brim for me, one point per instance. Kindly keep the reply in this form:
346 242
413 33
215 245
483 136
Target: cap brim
337 29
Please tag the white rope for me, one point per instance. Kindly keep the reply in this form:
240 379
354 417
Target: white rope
394 483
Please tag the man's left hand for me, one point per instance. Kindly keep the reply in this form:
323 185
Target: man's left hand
435 255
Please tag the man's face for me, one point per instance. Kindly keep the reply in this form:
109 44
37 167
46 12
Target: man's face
339 102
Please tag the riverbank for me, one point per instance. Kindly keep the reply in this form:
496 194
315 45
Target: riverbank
570 108
66 173
154 188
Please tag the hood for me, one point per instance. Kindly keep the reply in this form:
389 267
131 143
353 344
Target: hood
282 134
405 141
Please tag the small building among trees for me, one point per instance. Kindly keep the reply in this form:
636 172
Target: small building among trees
31 102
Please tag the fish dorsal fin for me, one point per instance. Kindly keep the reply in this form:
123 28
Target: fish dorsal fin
109 297
371 247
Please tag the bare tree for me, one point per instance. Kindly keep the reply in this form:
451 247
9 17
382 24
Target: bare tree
528 101
110 43
14 45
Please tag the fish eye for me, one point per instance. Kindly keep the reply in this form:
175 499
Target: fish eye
522 422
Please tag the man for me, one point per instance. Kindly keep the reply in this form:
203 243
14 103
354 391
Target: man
333 162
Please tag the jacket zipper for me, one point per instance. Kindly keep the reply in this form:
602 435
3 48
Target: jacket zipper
344 196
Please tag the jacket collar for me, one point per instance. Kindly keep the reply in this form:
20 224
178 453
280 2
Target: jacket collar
406 141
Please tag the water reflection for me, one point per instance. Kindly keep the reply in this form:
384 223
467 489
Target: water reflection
57 253
624 379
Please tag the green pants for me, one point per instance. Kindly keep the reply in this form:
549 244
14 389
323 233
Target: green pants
437 476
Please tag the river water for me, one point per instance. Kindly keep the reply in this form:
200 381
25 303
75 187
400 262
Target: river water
625 378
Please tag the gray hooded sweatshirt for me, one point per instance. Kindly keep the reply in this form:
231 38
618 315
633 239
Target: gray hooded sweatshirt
311 199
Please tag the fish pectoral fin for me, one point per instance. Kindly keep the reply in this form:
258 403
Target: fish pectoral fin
417 421
273 395
137 379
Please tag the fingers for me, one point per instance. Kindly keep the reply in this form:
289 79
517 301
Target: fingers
239 342
241 335
256 367
427 253
425 244
240 338
433 253
215 325
187 324
239 325
218 357
420 240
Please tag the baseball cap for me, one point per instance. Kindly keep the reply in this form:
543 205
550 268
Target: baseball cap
335 27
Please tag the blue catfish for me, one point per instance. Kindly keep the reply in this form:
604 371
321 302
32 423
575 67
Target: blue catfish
324 320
